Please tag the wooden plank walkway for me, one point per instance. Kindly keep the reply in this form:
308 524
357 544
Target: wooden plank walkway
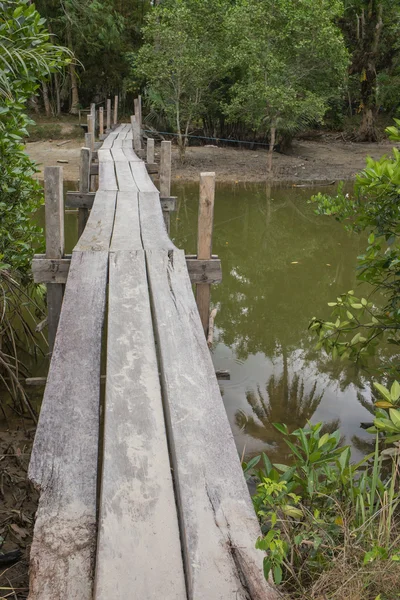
150 502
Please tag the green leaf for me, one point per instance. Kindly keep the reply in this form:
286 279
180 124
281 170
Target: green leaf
323 440
277 575
281 428
395 417
383 391
395 391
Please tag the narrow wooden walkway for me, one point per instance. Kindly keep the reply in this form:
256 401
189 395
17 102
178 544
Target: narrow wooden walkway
142 491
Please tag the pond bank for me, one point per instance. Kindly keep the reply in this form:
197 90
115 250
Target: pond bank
319 160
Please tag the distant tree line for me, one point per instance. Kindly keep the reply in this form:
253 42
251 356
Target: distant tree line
249 69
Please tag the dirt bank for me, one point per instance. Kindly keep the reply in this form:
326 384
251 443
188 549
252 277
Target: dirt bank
324 159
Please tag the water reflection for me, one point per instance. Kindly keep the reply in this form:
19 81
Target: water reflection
281 265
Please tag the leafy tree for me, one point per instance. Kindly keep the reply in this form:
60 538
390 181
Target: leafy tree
180 59
371 29
290 59
27 56
362 325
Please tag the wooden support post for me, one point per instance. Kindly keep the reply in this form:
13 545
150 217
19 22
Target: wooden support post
204 242
101 121
137 144
89 141
150 151
93 115
140 111
84 187
165 178
90 122
108 123
54 214
115 110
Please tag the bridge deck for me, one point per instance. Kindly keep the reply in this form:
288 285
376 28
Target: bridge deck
142 492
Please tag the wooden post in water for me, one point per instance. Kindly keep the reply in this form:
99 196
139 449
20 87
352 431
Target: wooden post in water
137 144
84 186
150 151
90 122
165 178
54 215
89 141
108 124
101 120
115 110
204 242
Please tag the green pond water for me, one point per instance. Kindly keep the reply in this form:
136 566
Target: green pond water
281 265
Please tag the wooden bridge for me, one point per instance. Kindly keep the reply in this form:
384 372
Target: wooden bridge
142 494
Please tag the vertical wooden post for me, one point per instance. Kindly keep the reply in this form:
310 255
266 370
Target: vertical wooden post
89 141
93 115
150 151
84 186
140 111
101 120
108 124
54 214
165 179
90 122
137 144
204 242
115 110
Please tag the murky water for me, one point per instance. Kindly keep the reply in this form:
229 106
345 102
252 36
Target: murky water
281 265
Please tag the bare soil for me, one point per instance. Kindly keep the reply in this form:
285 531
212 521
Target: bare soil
18 503
322 159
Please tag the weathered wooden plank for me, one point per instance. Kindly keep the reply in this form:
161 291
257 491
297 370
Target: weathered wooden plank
80 199
126 231
65 452
118 154
137 521
99 227
104 155
107 178
204 271
125 179
151 221
142 178
49 270
129 152
108 142
217 520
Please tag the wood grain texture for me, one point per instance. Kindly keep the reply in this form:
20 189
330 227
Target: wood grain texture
138 552
107 178
64 456
118 154
48 270
217 521
142 178
54 215
79 199
165 169
126 231
150 151
100 223
204 271
125 180
108 120
129 152
137 143
101 120
204 241
115 117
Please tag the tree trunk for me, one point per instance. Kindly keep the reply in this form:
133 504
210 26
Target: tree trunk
74 90
46 101
58 96
367 57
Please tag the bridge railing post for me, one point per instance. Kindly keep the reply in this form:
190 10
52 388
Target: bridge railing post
204 242
137 144
150 151
115 110
101 121
84 186
108 122
165 179
54 216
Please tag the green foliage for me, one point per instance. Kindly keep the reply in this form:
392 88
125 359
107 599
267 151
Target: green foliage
322 516
360 325
291 61
26 56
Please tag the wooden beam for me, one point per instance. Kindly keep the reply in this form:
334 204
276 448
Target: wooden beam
137 143
56 270
84 187
80 199
204 241
152 168
101 121
168 204
54 218
165 178
94 169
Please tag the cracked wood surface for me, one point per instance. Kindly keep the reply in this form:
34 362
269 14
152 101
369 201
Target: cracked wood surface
187 538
